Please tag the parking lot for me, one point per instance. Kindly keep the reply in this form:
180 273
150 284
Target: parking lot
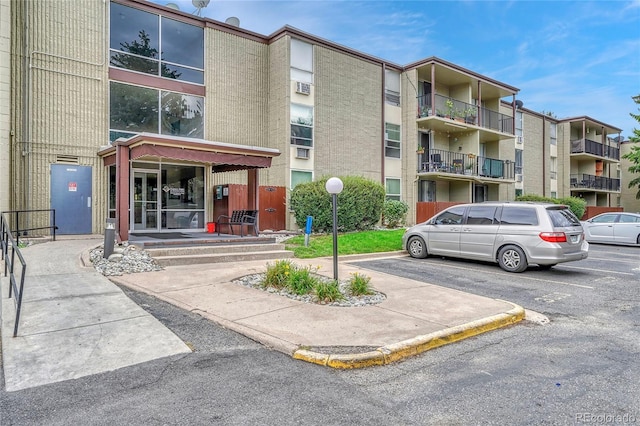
577 357
610 272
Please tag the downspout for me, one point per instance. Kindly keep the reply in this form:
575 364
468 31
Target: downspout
544 155
26 111
384 85
433 90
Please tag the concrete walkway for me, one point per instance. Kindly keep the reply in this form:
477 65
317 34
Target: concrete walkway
76 322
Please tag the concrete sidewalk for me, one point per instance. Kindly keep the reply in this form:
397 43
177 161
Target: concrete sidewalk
76 322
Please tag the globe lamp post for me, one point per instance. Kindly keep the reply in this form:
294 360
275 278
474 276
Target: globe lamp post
334 187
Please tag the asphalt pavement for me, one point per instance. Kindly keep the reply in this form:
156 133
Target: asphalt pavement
76 322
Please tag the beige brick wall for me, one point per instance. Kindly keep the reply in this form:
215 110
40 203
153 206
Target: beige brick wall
67 96
348 116
5 110
535 177
628 198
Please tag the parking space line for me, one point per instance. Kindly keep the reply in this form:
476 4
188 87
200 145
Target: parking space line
599 270
527 277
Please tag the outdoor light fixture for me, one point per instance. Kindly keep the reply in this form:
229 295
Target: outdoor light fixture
334 187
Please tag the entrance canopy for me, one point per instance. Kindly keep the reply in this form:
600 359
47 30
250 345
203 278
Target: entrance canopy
222 157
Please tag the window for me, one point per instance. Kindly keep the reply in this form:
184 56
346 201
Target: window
392 140
518 216
426 190
519 120
553 135
561 217
182 196
518 160
481 215
392 87
301 125
145 42
393 188
452 216
553 167
627 218
298 177
135 109
605 218
301 61
111 208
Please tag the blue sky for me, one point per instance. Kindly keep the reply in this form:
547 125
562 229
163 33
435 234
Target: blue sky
571 58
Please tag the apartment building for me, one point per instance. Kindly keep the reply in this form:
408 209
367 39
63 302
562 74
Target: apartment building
628 199
163 120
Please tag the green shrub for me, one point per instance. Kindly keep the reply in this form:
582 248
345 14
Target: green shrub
394 213
302 281
359 204
577 205
359 284
277 275
328 292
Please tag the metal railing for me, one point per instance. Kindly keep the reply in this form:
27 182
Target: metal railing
20 222
588 146
11 250
441 161
13 224
454 109
586 181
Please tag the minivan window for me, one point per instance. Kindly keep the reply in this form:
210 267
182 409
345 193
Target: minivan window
481 215
453 216
519 216
563 217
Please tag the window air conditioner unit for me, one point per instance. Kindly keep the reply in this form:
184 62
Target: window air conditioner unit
302 153
303 88
518 177
519 139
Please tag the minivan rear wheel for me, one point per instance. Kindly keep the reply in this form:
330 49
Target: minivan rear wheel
417 248
512 259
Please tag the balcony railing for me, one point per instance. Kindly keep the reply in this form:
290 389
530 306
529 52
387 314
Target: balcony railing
587 146
454 109
440 161
585 181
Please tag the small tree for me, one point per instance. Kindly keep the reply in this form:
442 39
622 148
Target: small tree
634 155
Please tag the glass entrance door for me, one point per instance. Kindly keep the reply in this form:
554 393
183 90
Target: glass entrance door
145 201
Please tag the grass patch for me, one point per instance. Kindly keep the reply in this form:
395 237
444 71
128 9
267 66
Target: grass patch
349 243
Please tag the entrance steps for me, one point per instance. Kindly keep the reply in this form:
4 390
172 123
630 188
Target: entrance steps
219 253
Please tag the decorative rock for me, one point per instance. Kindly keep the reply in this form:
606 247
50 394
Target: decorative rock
126 259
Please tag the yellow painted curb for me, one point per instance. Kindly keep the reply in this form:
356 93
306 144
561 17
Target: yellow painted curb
398 351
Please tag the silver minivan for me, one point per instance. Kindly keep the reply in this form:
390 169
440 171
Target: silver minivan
513 234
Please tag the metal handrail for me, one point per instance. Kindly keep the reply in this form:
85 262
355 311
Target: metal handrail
22 231
9 243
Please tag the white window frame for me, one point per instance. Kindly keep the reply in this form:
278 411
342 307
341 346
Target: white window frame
389 143
393 196
553 133
309 172
301 61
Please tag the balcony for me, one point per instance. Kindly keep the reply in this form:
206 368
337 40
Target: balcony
588 146
456 163
462 112
592 182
